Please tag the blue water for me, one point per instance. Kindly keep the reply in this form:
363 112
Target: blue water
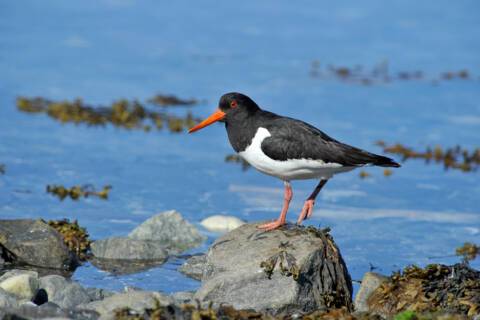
105 50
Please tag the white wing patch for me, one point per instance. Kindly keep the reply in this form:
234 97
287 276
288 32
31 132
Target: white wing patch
292 169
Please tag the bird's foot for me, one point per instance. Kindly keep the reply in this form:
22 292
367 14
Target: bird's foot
271 225
307 211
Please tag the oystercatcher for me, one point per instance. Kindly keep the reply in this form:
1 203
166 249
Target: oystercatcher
286 148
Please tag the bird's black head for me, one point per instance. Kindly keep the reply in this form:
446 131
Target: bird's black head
234 103
233 106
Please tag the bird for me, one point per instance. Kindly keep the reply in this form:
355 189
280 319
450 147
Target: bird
286 148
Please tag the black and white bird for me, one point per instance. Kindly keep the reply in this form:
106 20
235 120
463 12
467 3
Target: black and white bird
286 148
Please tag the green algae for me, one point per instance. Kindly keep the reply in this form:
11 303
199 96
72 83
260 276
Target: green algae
468 251
171 100
121 113
77 192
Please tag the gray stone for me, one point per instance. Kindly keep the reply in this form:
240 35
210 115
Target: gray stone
35 243
169 229
64 292
126 248
21 283
96 294
48 310
7 300
233 274
370 282
123 266
194 266
183 297
135 300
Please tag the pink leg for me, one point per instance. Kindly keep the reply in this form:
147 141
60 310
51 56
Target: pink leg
310 202
283 214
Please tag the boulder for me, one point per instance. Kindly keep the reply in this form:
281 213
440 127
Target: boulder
7 300
135 300
64 292
126 248
221 223
288 270
35 243
194 266
20 283
170 230
370 282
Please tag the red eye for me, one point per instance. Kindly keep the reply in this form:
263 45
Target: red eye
233 104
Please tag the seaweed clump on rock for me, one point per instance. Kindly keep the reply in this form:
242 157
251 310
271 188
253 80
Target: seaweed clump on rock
454 289
76 238
76 192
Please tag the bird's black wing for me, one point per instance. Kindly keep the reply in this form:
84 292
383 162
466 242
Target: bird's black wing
295 139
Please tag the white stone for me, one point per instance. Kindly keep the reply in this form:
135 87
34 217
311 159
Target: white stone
23 285
221 223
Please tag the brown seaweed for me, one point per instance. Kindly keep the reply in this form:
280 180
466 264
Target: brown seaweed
75 237
77 192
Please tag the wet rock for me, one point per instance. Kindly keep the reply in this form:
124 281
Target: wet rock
135 300
35 243
293 269
127 248
124 266
183 297
96 294
20 283
169 229
221 223
48 310
370 282
194 266
7 300
64 292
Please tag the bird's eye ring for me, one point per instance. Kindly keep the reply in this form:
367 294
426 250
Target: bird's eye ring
233 104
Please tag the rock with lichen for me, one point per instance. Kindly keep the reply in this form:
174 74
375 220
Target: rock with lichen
35 243
292 269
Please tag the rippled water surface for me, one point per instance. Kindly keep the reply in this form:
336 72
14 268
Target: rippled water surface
105 50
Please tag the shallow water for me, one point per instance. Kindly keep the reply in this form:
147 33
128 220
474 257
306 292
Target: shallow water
122 48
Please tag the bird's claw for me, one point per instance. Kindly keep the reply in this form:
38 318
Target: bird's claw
307 211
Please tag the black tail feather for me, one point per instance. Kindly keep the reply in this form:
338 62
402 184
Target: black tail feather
382 161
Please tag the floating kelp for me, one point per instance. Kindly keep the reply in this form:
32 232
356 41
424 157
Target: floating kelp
452 158
2 169
74 236
468 251
76 192
235 158
121 113
379 73
364 174
171 100
454 289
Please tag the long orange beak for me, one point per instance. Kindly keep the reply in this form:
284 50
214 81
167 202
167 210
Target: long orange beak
214 117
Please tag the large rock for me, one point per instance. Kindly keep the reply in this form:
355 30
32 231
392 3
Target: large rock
194 267
221 223
126 248
135 300
20 283
35 243
7 300
302 270
170 230
370 282
64 292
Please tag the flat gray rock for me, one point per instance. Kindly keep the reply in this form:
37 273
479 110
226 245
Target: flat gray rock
7 300
302 270
135 300
194 266
64 292
170 230
35 243
127 248
370 282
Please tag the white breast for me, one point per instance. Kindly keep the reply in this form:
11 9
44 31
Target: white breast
291 169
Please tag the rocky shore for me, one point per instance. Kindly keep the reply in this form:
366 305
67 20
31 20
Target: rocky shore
293 272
